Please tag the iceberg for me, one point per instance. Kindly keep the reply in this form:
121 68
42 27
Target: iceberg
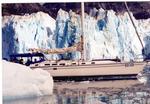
107 34
20 81
144 75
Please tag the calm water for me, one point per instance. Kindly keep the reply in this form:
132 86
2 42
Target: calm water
110 92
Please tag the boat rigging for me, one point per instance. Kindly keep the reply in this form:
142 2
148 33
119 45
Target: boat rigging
134 24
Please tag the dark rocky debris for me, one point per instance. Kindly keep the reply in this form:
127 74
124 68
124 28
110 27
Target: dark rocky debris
140 10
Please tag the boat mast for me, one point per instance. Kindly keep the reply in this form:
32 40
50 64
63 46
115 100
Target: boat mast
134 25
83 52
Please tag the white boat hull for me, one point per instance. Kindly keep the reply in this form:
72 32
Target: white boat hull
100 69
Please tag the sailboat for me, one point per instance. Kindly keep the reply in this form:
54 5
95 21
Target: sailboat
102 69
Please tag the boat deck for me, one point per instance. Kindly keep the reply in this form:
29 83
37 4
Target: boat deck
93 70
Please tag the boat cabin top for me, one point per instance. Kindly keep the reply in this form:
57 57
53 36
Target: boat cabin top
27 58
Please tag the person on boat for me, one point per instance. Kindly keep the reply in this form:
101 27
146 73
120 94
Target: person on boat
28 62
35 60
117 59
21 61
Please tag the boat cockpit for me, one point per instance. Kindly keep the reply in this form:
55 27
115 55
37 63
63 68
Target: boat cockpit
27 58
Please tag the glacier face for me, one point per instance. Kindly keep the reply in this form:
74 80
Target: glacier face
107 34
116 37
19 33
67 32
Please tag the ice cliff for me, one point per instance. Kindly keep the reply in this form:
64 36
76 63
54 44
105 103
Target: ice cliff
19 33
107 34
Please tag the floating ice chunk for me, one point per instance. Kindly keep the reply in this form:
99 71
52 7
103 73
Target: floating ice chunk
20 81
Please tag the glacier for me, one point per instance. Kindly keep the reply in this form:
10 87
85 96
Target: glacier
19 33
106 34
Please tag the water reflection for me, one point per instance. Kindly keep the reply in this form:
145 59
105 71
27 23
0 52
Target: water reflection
37 100
137 95
77 96
91 94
